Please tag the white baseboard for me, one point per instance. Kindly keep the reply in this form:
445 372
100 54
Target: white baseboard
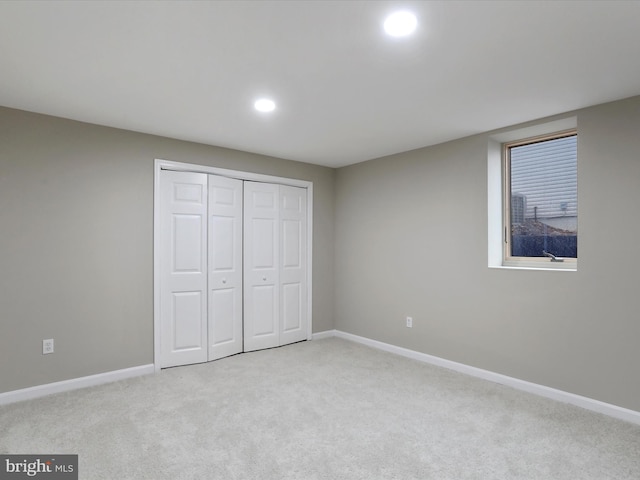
73 384
325 334
541 390
534 388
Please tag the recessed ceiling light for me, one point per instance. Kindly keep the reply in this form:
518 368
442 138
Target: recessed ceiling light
400 24
265 105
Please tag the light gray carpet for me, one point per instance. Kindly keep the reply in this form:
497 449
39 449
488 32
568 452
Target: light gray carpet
327 409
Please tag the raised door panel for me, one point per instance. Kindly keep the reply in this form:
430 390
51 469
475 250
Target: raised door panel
183 271
187 327
263 309
225 266
291 307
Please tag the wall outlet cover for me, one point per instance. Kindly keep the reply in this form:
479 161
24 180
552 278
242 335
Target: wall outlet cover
47 346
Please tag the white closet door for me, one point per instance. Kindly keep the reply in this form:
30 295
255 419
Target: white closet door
261 279
293 264
183 248
225 266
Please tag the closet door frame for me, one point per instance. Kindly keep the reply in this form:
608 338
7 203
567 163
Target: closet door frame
240 175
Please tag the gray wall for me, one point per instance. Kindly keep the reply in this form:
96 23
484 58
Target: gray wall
76 258
411 239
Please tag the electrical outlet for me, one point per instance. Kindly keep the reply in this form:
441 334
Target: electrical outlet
47 346
409 322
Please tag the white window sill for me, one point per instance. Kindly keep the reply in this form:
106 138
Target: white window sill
572 268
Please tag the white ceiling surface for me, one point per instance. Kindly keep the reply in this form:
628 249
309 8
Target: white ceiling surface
345 92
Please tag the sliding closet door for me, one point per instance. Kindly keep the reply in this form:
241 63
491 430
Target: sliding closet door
261 260
293 264
183 268
225 266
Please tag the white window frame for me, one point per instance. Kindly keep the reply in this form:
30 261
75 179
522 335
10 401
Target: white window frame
499 205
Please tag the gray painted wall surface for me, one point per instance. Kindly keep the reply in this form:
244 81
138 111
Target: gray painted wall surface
76 243
411 239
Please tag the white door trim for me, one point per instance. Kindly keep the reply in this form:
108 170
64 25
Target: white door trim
160 165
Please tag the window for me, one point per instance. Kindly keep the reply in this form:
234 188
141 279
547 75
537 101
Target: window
540 201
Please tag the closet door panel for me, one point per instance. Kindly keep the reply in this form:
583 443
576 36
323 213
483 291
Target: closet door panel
183 247
261 261
225 267
293 264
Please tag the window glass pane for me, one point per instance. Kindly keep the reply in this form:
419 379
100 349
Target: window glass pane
544 198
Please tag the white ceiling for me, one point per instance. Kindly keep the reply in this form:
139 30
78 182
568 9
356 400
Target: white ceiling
345 92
